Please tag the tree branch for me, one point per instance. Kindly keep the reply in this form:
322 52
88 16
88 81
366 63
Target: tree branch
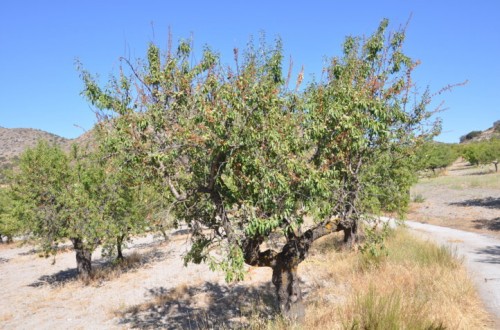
179 197
254 257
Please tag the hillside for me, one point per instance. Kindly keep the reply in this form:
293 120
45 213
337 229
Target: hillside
488 134
13 141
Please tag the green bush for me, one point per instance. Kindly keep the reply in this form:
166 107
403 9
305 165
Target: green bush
470 136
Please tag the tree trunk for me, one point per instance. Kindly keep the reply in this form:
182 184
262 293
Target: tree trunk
164 234
284 265
119 244
83 259
286 282
496 166
351 235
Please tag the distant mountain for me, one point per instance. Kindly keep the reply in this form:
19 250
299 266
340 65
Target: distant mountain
488 134
14 141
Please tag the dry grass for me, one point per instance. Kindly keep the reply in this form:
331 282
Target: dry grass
417 286
473 180
114 270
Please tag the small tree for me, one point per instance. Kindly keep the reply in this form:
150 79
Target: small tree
9 225
469 136
245 157
58 196
434 155
483 152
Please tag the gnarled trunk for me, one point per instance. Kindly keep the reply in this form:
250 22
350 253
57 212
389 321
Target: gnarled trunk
288 291
83 259
351 234
284 265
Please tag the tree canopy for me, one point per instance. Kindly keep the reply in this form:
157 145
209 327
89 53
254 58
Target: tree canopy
80 197
482 152
244 156
433 155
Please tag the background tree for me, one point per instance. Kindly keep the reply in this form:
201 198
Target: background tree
58 196
482 152
244 156
434 155
9 226
469 136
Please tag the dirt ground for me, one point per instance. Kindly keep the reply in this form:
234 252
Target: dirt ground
160 291
462 197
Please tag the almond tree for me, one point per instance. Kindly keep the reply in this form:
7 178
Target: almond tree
435 155
9 226
76 197
244 158
482 152
366 122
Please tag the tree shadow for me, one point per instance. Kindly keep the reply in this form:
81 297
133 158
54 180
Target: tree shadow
481 172
102 269
488 202
3 260
146 245
490 254
490 224
64 248
60 278
204 306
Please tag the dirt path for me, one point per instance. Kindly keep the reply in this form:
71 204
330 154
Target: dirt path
481 256
463 197
461 208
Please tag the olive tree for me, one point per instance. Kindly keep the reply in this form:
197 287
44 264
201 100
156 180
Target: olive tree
245 159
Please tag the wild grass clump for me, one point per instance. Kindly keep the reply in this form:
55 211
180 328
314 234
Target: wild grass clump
376 311
115 269
415 285
418 198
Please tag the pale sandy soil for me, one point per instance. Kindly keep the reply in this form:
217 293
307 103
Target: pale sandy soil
162 292
465 197
37 294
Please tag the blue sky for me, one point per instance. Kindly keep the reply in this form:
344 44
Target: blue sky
40 40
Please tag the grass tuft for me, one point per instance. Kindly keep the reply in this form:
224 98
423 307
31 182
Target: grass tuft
417 285
418 198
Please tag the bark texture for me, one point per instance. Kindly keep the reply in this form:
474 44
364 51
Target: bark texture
284 265
351 235
83 259
119 245
288 291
